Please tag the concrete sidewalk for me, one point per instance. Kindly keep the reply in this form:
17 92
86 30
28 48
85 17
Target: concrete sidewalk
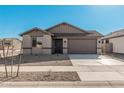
58 84
78 68
55 84
47 68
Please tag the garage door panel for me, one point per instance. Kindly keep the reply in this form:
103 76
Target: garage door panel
82 46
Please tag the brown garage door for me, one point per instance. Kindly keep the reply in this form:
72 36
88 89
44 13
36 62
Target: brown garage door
81 46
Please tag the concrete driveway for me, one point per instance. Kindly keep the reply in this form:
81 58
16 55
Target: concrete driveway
99 68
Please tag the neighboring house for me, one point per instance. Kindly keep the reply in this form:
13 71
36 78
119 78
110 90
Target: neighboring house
11 42
62 38
9 45
114 42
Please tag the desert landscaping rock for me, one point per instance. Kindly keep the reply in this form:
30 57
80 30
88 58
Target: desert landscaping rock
41 76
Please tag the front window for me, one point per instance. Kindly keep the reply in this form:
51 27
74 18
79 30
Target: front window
34 41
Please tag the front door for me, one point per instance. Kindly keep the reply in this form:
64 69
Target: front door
58 46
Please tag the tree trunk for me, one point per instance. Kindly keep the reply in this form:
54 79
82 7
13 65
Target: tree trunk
4 57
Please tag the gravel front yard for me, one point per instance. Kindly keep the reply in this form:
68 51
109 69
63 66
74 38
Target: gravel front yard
42 76
42 60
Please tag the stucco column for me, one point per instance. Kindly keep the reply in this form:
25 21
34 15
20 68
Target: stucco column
47 44
65 46
27 44
99 46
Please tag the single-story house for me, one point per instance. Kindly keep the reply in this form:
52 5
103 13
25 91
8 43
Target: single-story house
61 38
15 42
9 45
114 42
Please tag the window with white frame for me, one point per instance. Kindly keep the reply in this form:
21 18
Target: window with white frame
36 41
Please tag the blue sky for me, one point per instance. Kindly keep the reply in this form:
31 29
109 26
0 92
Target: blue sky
17 19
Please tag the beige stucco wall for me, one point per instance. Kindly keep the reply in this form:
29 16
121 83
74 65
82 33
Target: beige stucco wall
47 44
99 46
47 41
45 48
65 42
26 45
36 50
26 41
47 51
118 45
26 51
65 45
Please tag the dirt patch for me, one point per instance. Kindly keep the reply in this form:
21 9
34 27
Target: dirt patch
42 60
41 76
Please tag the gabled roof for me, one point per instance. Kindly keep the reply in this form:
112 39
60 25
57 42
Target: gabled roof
64 23
118 33
76 31
35 29
81 33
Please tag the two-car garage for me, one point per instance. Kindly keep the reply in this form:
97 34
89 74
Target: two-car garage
82 46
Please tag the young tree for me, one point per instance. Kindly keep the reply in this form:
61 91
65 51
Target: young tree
20 59
4 57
